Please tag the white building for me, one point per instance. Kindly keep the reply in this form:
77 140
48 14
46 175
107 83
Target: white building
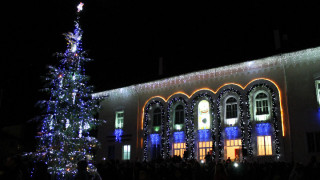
265 109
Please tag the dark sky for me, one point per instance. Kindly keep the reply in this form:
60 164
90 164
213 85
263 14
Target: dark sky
127 38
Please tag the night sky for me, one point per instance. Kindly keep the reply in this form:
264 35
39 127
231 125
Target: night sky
127 38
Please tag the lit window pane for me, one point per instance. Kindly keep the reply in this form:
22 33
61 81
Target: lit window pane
126 152
179 149
119 119
268 145
204 149
261 146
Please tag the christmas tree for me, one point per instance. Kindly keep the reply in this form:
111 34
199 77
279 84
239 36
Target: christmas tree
64 138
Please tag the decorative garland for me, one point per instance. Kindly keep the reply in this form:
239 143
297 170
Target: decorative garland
145 128
169 110
219 118
274 117
190 131
216 123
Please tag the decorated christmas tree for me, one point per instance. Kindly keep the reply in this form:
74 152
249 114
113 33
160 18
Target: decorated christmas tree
65 138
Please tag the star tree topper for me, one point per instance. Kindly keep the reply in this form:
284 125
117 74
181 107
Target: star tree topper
80 7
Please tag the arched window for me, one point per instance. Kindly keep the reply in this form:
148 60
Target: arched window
262 106
203 115
157 117
231 110
179 115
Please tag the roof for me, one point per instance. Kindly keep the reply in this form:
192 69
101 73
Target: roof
287 59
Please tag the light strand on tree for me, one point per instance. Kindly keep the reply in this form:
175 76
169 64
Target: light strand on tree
64 138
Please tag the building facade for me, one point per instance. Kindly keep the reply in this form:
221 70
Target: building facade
264 110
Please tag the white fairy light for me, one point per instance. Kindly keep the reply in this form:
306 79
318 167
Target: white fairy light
80 6
308 55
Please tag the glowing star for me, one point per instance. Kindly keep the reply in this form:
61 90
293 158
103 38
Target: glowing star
80 7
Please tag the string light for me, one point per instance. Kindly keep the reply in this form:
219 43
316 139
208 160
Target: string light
174 101
64 138
200 96
146 129
288 59
275 111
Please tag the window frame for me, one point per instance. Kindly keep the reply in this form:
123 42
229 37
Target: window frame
234 120
158 115
317 84
266 147
200 126
126 154
117 119
203 148
261 117
178 149
180 112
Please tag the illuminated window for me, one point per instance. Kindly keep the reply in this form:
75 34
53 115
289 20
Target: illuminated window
204 148
231 111
126 152
318 91
262 107
203 115
264 145
119 119
157 117
232 148
178 149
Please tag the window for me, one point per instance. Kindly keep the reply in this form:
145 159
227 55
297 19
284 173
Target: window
318 91
179 115
232 148
178 149
204 148
126 152
157 117
119 119
231 111
203 115
264 145
261 102
313 140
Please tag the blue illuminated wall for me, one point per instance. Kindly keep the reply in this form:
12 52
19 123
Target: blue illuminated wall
204 135
263 129
118 133
179 137
232 132
155 139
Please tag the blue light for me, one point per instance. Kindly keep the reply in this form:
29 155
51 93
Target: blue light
232 132
118 133
155 139
204 134
178 137
263 129
318 115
